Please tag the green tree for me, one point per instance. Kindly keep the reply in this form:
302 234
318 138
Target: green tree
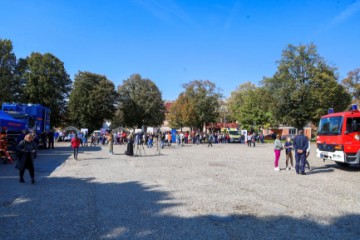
352 84
237 99
45 82
140 102
9 88
295 87
250 106
92 100
205 99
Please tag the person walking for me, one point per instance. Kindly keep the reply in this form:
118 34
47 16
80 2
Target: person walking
26 150
110 143
211 136
277 150
169 138
289 156
130 147
253 139
249 137
50 137
75 144
301 143
307 164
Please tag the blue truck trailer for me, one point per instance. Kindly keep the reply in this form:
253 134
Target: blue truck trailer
16 119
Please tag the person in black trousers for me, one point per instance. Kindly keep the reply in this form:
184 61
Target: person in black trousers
50 137
301 143
26 150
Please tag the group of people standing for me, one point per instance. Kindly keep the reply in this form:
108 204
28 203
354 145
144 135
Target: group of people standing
301 147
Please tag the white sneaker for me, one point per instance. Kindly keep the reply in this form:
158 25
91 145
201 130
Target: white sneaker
277 169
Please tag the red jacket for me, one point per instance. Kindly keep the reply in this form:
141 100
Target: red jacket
75 142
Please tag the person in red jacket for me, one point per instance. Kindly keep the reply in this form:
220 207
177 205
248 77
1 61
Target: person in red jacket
75 144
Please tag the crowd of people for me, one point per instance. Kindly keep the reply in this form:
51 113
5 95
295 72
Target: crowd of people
27 147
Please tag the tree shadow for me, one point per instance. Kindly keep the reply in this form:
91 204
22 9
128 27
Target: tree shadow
82 208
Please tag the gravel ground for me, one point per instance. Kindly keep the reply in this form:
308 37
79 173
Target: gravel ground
229 191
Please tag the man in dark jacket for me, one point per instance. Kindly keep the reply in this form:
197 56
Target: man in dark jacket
300 145
27 153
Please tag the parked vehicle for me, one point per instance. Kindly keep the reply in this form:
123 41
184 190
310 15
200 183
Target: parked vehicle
234 134
18 118
338 137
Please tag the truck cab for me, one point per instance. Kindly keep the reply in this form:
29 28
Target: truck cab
338 137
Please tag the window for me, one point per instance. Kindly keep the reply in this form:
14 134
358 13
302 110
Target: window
292 131
353 125
330 126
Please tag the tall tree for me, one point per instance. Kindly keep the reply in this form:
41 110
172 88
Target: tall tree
9 89
352 84
205 98
46 82
182 112
92 100
297 98
237 99
140 102
250 106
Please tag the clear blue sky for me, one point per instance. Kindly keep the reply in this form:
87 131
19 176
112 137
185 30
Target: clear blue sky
173 42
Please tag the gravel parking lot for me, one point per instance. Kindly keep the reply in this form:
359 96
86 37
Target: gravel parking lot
228 191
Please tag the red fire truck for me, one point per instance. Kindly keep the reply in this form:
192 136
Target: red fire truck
338 137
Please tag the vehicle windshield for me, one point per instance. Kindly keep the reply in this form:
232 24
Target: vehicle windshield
353 125
330 126
234 133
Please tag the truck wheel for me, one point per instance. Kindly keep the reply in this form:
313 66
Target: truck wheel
342 164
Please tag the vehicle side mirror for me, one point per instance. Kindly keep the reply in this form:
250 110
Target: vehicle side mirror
346 132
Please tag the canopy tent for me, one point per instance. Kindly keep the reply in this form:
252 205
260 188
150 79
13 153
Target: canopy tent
71 129
165 129
121 129
9 123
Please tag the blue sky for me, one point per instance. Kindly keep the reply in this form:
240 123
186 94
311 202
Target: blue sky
173 42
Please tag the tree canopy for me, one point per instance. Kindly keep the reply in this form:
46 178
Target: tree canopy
202 99
140 103
182 112
91 101
45 82
304 87
250 106
352 84
9 88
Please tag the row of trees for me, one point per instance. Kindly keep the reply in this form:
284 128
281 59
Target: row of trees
301 90
85 102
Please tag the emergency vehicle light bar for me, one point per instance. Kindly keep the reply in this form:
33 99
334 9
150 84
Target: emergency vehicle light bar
354 107
331 110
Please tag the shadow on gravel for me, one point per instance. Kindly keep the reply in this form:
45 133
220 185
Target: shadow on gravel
332 167
323 169
69 208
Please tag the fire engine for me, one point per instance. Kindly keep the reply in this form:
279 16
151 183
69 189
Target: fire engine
338 137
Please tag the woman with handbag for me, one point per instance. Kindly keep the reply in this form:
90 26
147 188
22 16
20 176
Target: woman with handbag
277 150
27 153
